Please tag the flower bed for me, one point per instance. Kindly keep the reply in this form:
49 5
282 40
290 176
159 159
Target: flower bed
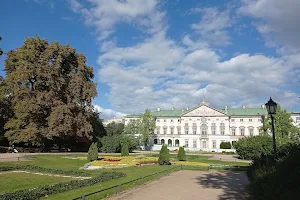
188 163
126 161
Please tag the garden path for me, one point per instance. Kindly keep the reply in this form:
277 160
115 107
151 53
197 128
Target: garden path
204 185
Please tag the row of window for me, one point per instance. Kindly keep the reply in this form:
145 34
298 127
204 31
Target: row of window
186 143
204 129
242 120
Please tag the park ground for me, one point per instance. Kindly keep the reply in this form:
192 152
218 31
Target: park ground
218 184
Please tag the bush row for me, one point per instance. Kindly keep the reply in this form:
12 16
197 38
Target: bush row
276 177
36 193
41 169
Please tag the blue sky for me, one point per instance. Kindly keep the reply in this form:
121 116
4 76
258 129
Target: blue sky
170 53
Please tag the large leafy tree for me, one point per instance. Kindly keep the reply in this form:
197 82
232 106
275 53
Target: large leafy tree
1 52
146 127
132 127
284 128
51 90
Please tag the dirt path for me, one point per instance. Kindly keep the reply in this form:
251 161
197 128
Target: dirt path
190 185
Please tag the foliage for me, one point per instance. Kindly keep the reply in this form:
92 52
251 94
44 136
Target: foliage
114 128
98 128
125 151
252 147
132 127
225 145
112 144
146 127
41 169
284 128
164 156
51 89
42 191
276 176
93 152
181 154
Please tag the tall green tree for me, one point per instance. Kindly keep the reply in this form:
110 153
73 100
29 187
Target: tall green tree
284 128
52 90
146 127
132 127
114 128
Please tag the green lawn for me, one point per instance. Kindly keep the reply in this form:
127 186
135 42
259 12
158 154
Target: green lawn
16 181
58 162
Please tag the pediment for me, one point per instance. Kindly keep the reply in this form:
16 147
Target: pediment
203 110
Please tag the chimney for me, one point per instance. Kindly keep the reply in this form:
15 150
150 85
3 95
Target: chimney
244 107
158 109
187 108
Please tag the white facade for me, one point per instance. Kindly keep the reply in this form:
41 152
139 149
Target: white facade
204 127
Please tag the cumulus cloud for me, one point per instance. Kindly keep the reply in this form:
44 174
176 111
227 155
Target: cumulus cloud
162 72
108 113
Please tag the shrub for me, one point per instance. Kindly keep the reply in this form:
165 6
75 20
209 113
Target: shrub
125 151
130 140
41 169
181 154
276 176
164 156
113 144
38 192
225 145
93 152
252 147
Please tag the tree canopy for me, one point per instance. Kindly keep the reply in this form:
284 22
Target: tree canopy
284 127
51 91
146 126
1 52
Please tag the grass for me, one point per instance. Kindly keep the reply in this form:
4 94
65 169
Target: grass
132 173
59 162
11 182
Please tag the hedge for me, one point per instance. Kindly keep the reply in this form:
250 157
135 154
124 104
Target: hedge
41 169
36 193
93 152
225 145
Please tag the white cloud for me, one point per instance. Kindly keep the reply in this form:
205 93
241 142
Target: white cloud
212 26
277 20
107 114
104 15
160 72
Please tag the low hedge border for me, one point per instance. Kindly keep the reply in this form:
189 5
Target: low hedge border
41 169
38 192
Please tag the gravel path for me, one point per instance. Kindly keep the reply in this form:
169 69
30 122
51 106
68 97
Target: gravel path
198 185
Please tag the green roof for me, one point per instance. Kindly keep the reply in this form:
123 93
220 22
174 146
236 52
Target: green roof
230 112
245 112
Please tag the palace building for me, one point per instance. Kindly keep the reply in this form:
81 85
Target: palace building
205 127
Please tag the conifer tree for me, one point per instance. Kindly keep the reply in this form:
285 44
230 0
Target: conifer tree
181 154
164 156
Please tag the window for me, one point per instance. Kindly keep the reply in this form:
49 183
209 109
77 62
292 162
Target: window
213 129
162 141
194 128
241 120
155 141
165 120
297 119
250 120
165 130
186 128
178 120
171 120
233 131
186 143
169 142
158 130
178 130
172 130
203 129
204 144
176 143
158 120
242 131
222 127
195 143
251 130
232 120
214 144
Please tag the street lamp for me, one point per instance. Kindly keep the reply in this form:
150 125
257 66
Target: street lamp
272 108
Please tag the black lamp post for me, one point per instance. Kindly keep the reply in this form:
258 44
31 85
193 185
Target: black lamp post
272 108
